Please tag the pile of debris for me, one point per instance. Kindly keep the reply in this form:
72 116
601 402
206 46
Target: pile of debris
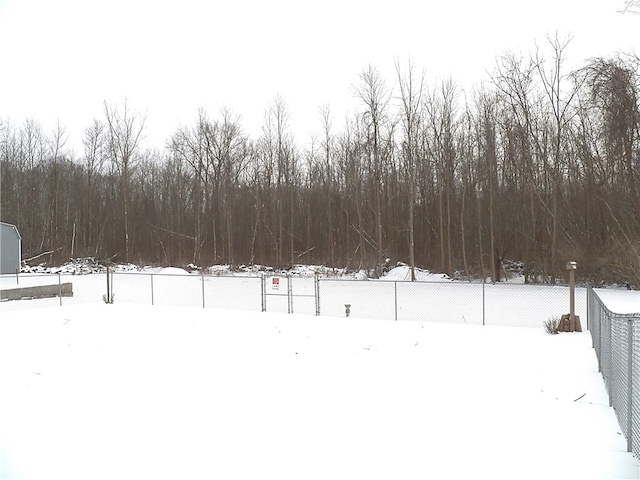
78 266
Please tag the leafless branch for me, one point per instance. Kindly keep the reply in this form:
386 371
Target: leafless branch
631 6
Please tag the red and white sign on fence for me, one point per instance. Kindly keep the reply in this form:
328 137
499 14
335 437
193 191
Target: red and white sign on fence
275 283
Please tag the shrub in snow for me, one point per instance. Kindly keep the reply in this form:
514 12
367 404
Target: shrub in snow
551 325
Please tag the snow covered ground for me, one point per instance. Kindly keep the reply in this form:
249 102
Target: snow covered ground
132 391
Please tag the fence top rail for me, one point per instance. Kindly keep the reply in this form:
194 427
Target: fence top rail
391 281
450 282
614 315
6 278
12 276
190 275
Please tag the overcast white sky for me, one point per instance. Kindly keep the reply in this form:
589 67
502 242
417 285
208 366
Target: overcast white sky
61 59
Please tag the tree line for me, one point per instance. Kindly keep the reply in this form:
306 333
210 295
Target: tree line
538 165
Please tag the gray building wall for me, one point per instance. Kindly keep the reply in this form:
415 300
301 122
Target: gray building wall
10 248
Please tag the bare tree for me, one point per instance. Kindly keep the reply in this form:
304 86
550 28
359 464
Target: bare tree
411 95
190 145
518 117
325 113
279 173
56 154
229 149
94 157
32 157
351 172
441 106
559 101
631 6
372 91
124 133
613 87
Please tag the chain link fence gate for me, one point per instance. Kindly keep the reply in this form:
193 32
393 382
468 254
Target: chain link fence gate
303 291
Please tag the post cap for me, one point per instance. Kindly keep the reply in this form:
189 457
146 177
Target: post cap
572 265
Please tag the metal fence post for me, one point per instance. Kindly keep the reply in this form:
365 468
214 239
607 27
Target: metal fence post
317 292
483 301
610 360
590 314
108 298
202 277
395 294
263 292
151 289
60 288
596 322
571 267
289 295
629 384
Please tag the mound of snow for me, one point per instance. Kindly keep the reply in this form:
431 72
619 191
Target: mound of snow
404 273
173 271
361 275
150 269
311 270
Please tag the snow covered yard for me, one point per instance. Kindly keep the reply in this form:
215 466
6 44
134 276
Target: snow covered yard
131 391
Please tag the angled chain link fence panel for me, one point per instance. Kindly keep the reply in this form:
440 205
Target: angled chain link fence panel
619 370
616 340
635 387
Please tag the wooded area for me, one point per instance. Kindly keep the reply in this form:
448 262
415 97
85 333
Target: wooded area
539 165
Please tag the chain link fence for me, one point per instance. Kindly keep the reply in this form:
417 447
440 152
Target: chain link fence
453 302
616 340
49 289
